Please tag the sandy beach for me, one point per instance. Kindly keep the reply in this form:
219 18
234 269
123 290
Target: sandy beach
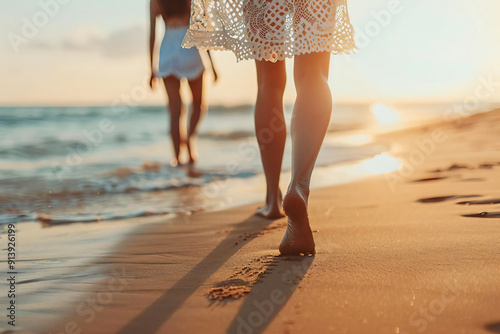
144 143
413 251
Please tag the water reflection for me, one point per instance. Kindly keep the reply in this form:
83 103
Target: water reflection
385 115
381 164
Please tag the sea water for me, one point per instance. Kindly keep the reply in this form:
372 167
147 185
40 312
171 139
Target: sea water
86 164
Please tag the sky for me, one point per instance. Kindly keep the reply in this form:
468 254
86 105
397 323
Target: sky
94 52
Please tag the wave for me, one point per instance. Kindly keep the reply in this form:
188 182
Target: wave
61 219
56 219
101 184
103 196
234 135
23 114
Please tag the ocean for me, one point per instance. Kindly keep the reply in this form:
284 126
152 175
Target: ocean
61 165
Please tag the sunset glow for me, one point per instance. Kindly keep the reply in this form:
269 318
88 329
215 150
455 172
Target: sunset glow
94 52
385 115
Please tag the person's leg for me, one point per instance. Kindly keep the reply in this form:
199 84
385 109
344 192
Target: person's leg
311 116
271 131
197 112
172 85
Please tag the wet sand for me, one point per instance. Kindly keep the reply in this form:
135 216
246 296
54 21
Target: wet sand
413 251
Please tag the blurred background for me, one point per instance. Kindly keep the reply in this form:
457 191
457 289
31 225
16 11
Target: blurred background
91 52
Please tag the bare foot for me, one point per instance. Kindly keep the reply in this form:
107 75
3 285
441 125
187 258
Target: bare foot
175 163
269 212
272 209
298 238
192 152
192 171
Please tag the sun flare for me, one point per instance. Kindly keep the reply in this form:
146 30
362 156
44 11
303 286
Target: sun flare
381 164
385 115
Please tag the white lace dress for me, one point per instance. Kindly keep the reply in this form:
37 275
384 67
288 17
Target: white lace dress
270 29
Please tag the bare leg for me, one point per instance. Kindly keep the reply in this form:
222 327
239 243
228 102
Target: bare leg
271 131
311 116
172 85
197 112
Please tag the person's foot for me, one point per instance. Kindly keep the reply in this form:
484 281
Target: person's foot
298 238
273 209
270 212
191 150
192 171
175 163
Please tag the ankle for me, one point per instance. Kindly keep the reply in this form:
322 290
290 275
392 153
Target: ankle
274 196
175 162
299 188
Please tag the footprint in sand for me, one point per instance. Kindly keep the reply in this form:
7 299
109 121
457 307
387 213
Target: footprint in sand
493 327
452 167
456 166
485 165
444 198
430 179
482 202
248 236
473 180
241 281
483 215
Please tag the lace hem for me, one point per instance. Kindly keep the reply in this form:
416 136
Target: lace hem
271 29
220 41
191 73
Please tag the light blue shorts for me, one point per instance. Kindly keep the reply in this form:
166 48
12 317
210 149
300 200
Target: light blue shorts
177 61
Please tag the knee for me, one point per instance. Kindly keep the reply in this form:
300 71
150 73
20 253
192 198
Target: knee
272 84
306 81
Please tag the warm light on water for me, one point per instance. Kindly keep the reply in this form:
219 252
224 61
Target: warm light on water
350 140
385 115
381 164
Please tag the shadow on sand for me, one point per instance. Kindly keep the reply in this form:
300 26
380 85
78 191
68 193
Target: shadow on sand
268 297
153 317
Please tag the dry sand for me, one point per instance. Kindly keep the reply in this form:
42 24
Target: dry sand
415 251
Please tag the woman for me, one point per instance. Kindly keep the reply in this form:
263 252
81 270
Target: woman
270 31
176 63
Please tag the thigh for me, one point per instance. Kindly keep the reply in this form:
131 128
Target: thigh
173 86
311 64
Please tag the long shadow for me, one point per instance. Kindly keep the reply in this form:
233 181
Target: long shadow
153 317
493 327
268 297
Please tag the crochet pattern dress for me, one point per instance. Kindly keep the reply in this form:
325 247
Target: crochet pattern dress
270 29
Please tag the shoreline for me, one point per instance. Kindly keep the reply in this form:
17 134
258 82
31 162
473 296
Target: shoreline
384 254
119 178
